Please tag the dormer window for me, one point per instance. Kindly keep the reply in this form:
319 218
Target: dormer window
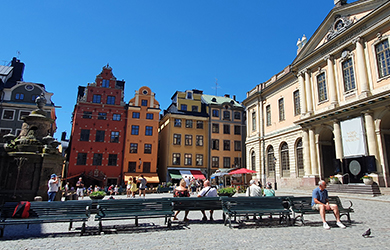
105 83
189 95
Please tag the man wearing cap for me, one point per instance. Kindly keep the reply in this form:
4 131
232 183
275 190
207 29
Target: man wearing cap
53 187
253 189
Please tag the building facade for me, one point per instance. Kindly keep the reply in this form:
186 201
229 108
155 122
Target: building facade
141 140
98 131
327 112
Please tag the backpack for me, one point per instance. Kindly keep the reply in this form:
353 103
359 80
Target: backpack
22 210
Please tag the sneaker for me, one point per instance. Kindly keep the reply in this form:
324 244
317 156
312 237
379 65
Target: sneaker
326 226
341 225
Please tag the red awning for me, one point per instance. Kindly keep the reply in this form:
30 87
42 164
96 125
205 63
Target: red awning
197 174
242 171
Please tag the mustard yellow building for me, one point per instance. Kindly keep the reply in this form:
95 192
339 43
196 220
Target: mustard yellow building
327 113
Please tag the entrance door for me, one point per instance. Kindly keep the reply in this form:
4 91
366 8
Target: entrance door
328 157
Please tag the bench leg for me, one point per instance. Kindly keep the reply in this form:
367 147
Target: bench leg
136 221
2 231
82 229
70 225
169 223
100 226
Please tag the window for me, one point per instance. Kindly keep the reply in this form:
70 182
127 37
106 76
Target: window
215 128
176 139
177 123
133 148
226 129
188 159
237 145
226 162
268 114
149 130
144 102
383 58
22 114
226 145
134 129
321 83
116 117
111 99
297 103
281 109
215 144
189 95
194 108
34 97
299 156
237 115
237 130
114 136
237 162
96 98
19 96
199 160
253 161
215 113
148 149
105 83
81 159
97 159
188 140
199 124
146 167
226 115
271 160
215 162
136 115
87 115
183 107
84 135
253 121
285 159
102 116
112 159
99 136
348 75
188 123
149 116
175 159
199 140
8 114
132 167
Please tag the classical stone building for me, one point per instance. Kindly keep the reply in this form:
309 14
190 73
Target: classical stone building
327 112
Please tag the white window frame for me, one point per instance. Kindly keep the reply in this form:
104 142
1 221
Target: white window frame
379 40
13 116
20 111
322 71
348 55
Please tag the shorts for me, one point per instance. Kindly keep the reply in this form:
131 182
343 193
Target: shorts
80 192
316 206
141 188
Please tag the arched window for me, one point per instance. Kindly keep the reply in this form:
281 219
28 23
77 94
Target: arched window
253 161
284 160
270 160
299 157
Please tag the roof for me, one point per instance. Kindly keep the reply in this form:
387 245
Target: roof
220 100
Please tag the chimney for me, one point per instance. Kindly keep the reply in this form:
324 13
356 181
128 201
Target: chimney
338 3
226 95
63 136
234 97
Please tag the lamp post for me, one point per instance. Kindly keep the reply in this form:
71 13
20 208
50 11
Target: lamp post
275 185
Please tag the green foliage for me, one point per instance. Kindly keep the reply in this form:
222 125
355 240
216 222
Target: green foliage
229 191
169 184
98 193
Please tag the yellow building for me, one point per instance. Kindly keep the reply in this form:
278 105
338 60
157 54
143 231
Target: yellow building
327 113
183 140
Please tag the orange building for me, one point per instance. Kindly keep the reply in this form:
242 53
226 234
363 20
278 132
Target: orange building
141 141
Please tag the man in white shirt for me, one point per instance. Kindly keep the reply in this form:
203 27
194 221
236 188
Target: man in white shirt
52 184
187 180
253 189
207 191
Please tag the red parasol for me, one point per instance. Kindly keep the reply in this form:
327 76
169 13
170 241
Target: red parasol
242 171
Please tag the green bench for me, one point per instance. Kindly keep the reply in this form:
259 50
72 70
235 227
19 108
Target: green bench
47 212
196 203
136 209
245 207
302 205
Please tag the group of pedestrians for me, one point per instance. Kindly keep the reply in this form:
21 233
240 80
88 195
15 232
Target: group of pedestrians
255 189
132 188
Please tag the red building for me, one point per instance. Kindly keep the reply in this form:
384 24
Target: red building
98 132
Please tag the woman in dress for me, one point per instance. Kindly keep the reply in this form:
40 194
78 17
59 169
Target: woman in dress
128 188
181 191
133 188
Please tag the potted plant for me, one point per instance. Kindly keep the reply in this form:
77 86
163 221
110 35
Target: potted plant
97 195
367 180
229 191
333 179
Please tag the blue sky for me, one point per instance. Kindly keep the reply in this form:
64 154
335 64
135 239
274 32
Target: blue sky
165 45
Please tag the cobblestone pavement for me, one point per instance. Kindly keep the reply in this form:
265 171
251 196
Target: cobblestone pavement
370 212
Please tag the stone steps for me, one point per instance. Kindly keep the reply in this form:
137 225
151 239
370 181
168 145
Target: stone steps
355 188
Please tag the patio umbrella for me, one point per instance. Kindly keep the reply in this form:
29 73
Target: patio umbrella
242 171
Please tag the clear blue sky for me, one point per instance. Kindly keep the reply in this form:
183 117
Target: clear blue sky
167 45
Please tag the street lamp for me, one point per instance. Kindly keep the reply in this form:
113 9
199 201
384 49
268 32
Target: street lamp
275 185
